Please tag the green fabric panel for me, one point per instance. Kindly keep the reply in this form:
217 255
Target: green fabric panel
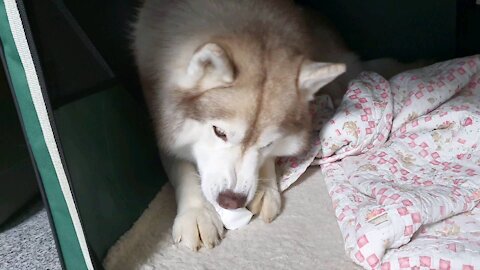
17 178
69 246
113 163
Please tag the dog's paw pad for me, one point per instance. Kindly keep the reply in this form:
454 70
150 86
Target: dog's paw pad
267 204
196 227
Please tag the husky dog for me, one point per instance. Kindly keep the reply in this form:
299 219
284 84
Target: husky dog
228 85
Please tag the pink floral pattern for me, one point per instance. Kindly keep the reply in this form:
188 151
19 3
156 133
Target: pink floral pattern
402 165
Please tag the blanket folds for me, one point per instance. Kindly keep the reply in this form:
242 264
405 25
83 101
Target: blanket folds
402 164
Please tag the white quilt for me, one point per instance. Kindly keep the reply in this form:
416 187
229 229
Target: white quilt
402 164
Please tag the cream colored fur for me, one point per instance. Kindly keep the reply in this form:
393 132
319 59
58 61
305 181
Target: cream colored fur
228 85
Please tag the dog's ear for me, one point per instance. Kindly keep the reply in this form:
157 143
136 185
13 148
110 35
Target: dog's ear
315 75
210 67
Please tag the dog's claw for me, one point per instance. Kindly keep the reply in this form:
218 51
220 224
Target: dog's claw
267 203
212 244
177 240
195 248
197 226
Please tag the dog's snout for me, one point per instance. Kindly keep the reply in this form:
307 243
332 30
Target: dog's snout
230 200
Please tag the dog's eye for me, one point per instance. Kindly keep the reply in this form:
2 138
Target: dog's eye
266 146
220 133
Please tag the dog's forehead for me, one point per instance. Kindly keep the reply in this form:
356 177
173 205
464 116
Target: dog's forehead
264 98
273 109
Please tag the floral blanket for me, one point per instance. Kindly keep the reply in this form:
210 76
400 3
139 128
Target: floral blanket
402 165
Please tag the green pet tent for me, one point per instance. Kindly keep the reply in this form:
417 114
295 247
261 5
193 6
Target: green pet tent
90 140
70 72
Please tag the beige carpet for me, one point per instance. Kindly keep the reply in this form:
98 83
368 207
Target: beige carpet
304 236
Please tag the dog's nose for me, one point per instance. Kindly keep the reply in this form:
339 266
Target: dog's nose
230 200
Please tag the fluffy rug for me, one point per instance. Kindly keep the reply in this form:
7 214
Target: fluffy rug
304 236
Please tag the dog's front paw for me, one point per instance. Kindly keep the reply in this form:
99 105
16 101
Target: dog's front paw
197 226
267 203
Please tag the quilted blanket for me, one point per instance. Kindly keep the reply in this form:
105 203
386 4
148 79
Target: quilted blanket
402 163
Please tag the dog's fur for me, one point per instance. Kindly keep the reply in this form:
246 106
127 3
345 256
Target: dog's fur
228 83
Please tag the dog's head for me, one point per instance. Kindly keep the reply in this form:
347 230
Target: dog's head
243 109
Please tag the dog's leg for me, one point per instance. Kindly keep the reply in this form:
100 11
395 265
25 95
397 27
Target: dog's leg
197 221
267 201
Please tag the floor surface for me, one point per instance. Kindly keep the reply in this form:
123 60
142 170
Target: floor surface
26 242
304 236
